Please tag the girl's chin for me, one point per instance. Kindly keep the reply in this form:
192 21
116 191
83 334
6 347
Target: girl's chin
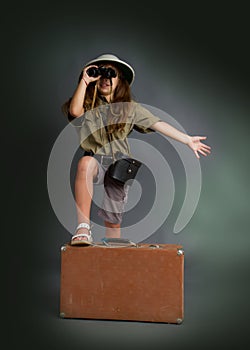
104 92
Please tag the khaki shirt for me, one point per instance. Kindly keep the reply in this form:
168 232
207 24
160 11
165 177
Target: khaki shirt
93 136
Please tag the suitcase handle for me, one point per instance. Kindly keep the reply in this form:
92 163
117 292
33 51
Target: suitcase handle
118 242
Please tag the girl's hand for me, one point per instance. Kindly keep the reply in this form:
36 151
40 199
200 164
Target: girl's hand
86 77
197 146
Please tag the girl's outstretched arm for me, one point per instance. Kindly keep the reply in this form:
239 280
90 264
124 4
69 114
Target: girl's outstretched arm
193 142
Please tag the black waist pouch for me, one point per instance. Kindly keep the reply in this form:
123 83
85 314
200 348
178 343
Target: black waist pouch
124 169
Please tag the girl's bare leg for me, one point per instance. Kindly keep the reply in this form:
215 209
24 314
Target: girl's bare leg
87 170
113 230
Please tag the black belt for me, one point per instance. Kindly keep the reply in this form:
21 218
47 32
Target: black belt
103 160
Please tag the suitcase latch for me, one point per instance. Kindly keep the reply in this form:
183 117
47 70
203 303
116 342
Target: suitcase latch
154 246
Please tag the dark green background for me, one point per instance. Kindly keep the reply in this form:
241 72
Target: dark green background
193 63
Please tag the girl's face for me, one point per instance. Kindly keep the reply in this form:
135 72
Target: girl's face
104 85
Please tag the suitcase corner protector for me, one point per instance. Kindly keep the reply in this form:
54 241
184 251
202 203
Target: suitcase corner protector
179 320
63 248
62 315
180 252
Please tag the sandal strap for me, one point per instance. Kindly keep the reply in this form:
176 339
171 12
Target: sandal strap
84 225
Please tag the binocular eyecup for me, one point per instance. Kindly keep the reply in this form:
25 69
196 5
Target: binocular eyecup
104 72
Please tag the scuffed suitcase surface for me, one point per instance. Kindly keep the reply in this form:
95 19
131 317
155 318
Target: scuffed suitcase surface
134 283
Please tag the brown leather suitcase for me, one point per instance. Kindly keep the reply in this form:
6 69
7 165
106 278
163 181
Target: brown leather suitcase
138 283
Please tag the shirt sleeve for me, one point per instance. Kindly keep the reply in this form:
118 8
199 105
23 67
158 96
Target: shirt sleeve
144 119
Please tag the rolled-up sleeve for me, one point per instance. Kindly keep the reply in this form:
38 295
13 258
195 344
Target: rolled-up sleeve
144 119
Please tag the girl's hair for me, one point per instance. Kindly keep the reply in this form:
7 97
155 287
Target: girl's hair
118 112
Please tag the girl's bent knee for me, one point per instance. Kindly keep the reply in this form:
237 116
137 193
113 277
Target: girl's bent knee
87 163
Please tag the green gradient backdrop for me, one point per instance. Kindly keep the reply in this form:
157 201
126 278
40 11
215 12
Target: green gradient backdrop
191 63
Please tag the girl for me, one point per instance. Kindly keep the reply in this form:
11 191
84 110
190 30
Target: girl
103 98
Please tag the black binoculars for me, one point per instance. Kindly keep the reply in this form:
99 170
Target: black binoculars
105 72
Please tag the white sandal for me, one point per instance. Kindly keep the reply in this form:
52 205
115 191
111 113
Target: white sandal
89 237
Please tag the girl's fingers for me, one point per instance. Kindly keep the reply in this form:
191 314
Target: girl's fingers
207 149
204 154
197 155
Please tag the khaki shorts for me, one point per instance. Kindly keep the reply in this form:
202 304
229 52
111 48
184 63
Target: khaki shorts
115 196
